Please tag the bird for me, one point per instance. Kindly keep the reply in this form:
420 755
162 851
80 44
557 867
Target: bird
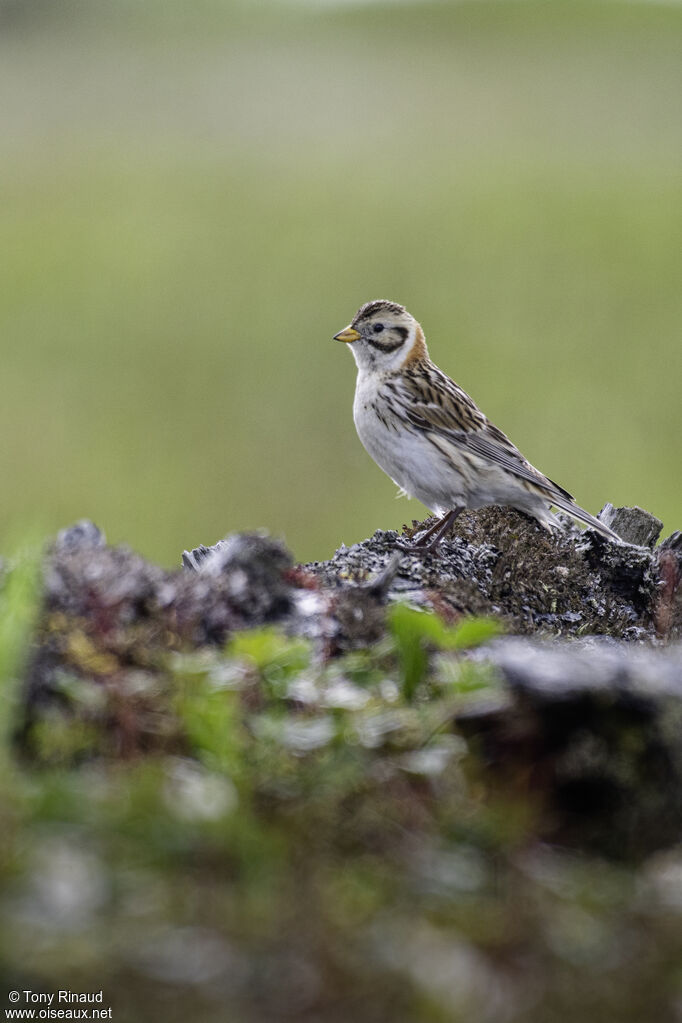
430 437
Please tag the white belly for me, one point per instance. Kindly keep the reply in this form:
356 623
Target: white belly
409 458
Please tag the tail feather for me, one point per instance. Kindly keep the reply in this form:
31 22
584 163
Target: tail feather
584 516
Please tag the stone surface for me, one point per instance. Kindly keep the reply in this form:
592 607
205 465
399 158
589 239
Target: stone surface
634 525
592 724
593 730
499 562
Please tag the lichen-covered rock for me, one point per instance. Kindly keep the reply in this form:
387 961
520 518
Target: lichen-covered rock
253 568
366 816
667 605
500 562
113 618
592 733
634 525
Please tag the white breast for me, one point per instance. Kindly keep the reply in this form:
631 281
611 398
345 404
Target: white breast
407 456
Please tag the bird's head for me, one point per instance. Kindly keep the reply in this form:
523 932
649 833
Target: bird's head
383 337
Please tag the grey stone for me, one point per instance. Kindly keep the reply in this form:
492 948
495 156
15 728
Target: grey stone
82 534
634 525
597 726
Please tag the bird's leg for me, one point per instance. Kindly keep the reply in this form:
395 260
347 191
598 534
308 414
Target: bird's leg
446 525
431 531
435 534
423 539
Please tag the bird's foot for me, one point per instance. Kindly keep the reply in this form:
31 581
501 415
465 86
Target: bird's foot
435 534
417 549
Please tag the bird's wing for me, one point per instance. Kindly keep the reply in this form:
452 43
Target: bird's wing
434 403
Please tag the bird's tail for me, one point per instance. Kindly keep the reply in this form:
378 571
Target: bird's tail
584 516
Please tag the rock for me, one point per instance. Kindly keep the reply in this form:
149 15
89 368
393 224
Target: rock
673 542
196 558
634 525
499 562
253 567
592 732
112 618
667 606
82 534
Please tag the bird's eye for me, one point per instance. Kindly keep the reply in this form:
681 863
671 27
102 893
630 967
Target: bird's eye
378 327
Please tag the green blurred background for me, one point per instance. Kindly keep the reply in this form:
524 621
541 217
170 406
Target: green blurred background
195 197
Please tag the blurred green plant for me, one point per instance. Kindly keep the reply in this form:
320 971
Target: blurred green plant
314 839
20 596
275 657
212 719
416 631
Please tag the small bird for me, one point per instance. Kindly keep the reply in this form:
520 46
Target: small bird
431 438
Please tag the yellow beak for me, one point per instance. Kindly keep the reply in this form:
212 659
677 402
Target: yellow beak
348 334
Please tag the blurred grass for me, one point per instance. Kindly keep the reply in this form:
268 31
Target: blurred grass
195 201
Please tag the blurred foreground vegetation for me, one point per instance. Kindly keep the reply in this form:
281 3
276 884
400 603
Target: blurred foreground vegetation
195 198
301 839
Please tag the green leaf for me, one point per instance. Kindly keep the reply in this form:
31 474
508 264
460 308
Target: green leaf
19 607
274 655
472 632
411 629
270 646
415 631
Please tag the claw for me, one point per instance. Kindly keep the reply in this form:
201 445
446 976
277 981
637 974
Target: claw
437 532
417 550
405 547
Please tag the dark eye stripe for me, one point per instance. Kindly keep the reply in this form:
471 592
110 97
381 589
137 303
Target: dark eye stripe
386 346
